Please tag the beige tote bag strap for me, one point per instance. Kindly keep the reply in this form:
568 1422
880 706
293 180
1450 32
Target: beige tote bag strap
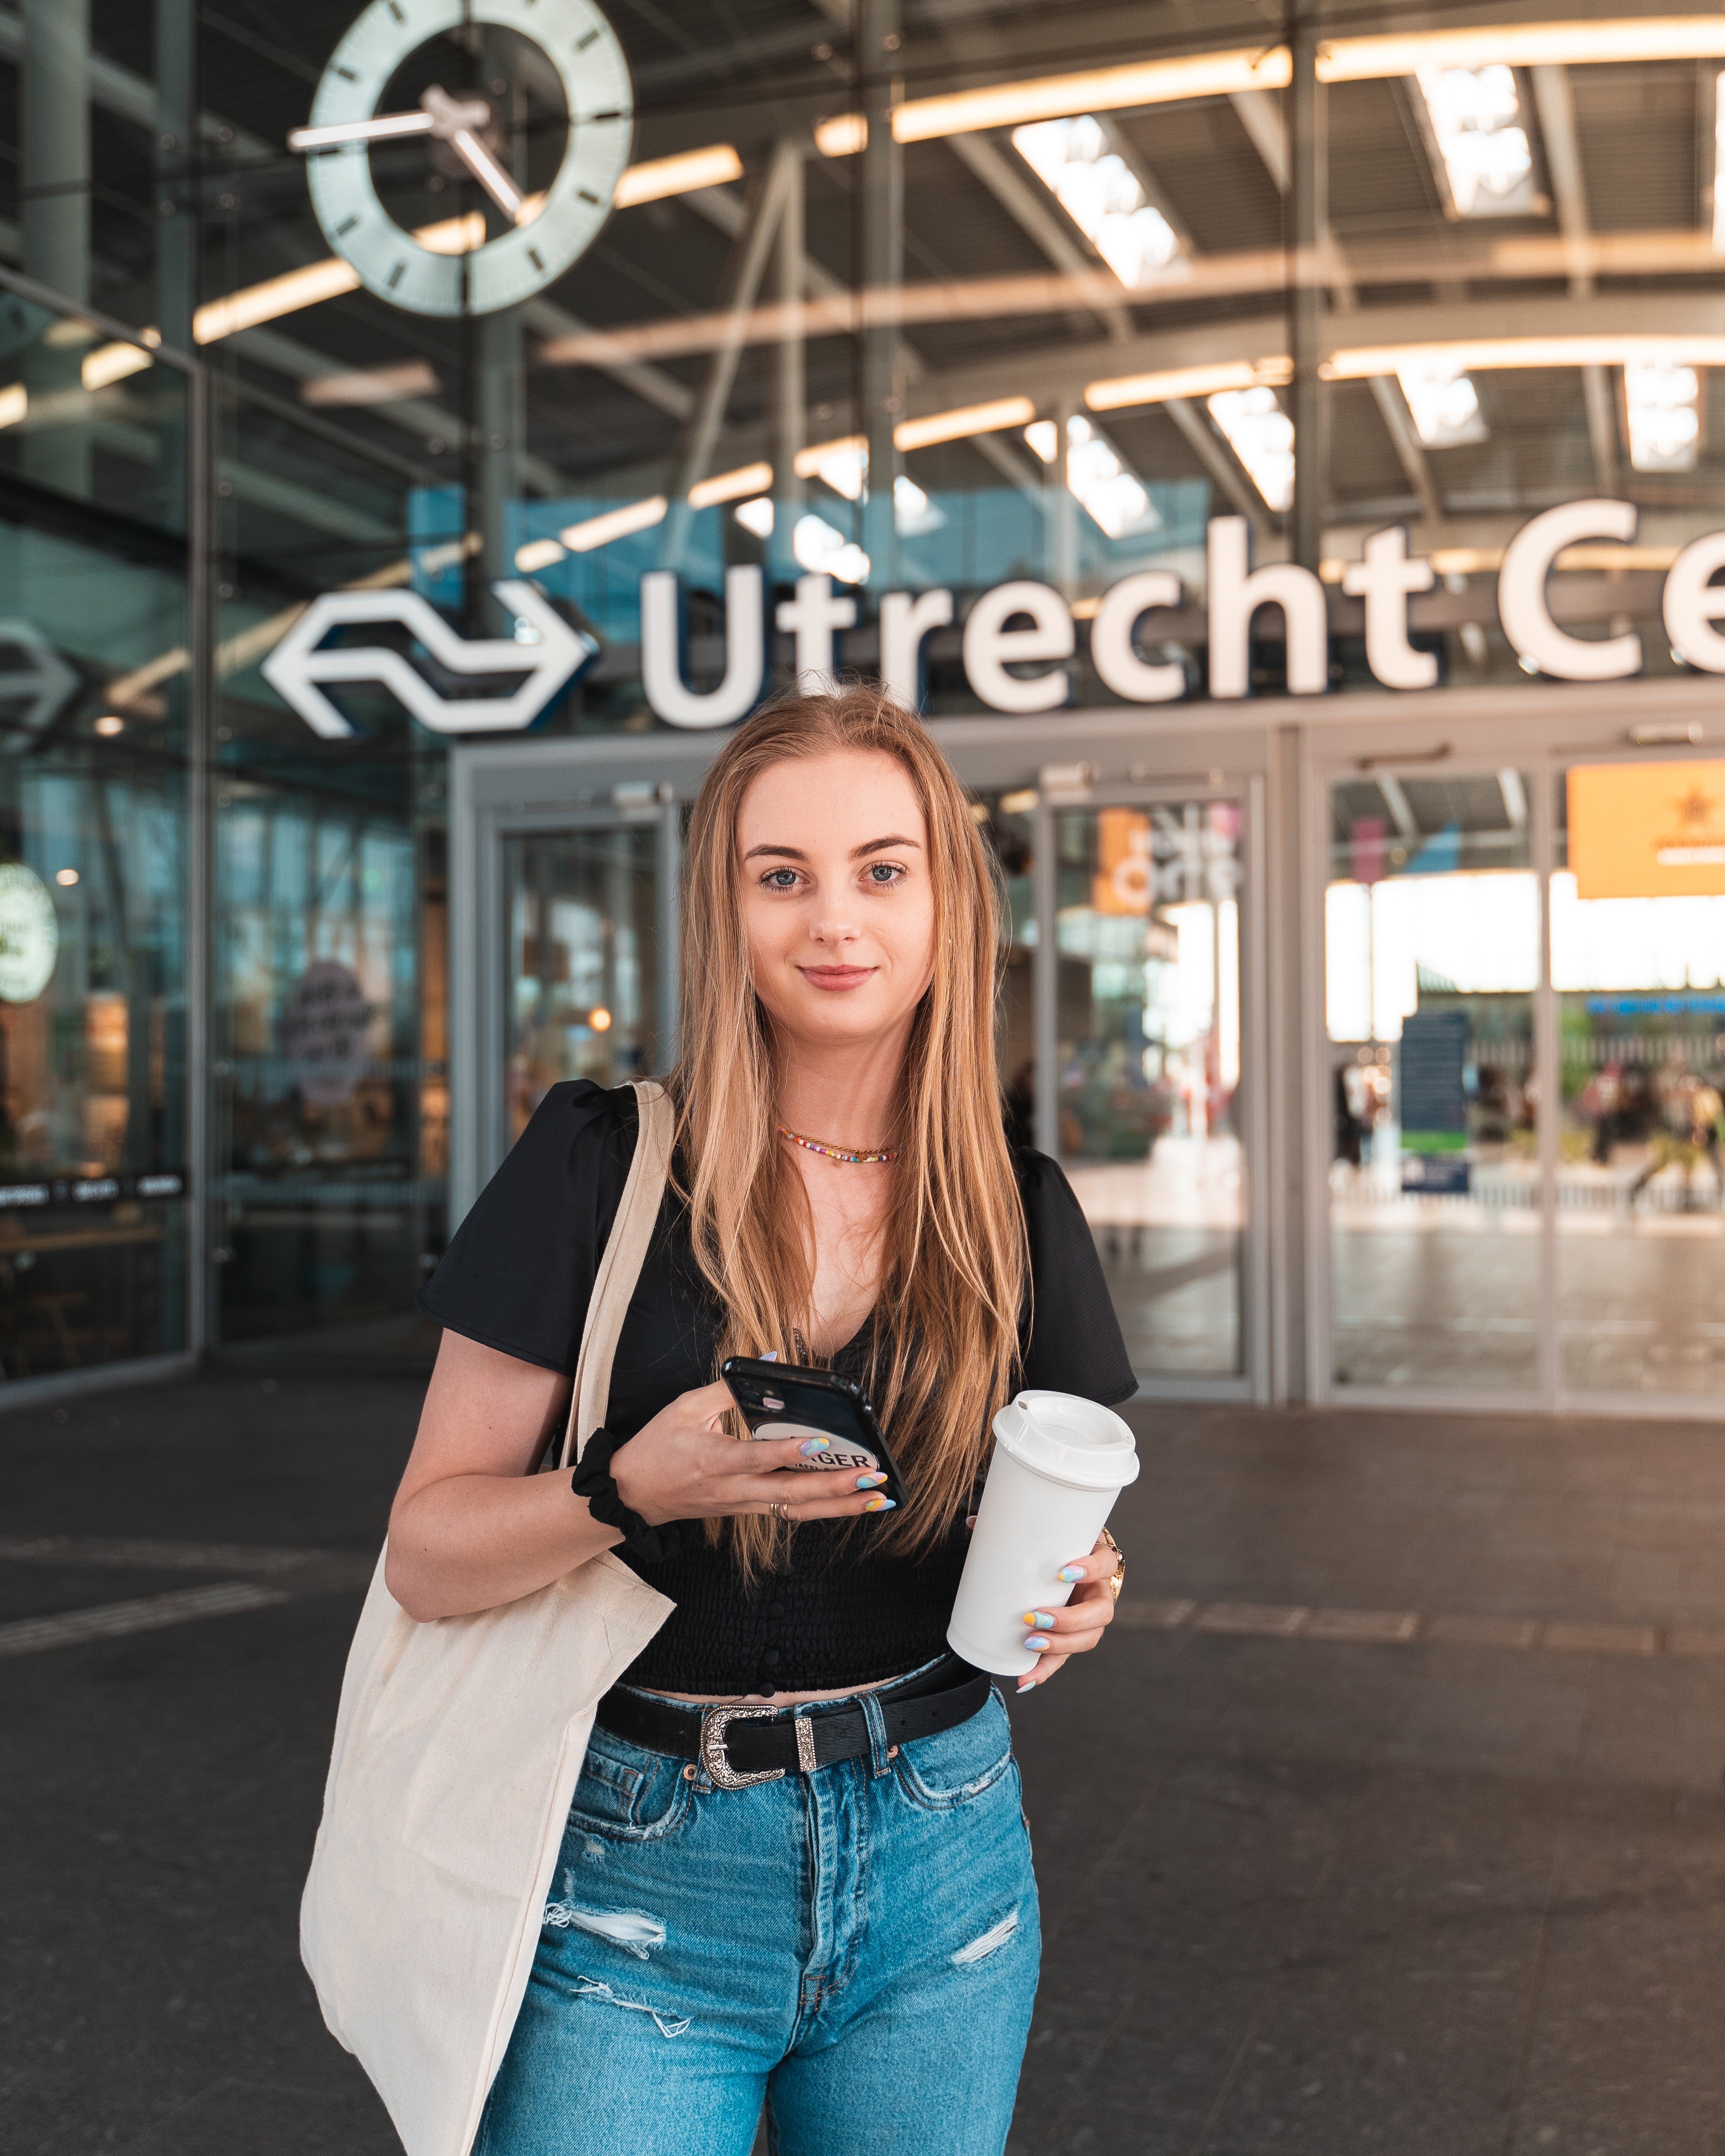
620 1268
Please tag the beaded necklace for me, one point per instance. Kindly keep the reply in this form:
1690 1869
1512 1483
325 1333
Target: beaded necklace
885 1153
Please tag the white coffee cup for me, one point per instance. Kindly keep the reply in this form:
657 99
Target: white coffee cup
1059 1462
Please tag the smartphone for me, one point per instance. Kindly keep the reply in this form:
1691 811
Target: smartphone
778 1400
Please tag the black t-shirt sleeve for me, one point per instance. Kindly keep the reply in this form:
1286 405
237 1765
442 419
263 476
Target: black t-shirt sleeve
519 1272
1075 1344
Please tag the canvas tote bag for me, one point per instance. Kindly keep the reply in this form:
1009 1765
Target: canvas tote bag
458 1746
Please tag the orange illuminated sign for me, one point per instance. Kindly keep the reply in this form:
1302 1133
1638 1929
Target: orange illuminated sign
1127 880
1647 830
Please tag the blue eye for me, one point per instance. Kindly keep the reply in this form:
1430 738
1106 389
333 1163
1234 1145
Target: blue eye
779 878
881 872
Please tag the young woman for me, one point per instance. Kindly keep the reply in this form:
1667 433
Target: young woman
855 1940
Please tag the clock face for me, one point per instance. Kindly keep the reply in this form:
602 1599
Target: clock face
397 264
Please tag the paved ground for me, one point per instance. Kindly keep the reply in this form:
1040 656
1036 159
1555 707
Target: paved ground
1322 1873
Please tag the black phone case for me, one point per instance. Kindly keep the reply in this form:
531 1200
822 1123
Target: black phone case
778 1392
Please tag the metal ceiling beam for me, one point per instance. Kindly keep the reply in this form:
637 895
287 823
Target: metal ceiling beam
1220 463
747 266
1398 424
1028 209
650 383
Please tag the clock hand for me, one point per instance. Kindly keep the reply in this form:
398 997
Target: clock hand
378 129
454 123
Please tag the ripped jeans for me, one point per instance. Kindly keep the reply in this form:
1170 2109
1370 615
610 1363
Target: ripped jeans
856 1947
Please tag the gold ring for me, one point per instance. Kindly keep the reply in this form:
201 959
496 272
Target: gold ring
1116 1578
781 1511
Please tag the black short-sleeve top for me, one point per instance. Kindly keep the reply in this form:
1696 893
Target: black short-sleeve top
518 1275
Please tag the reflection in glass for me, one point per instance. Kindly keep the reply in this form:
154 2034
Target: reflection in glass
1432 957
1638 965
1147 1064
1006 824
582 961
316 948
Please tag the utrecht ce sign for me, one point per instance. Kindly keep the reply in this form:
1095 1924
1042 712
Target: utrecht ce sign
996 638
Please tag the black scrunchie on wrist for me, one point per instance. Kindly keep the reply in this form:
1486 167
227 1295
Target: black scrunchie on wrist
592 1480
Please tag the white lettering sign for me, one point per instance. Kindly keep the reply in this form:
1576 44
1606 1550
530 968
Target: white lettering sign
1008 631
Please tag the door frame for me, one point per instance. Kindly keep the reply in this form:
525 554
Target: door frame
1118 758
1572 727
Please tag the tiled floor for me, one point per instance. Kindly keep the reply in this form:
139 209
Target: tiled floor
1312 1881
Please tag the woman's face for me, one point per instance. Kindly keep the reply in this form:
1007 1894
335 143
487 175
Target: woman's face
837 901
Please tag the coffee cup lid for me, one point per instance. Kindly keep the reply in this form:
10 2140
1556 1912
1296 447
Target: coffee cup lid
1069 1440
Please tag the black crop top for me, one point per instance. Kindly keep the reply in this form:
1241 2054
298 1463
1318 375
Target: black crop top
518 1275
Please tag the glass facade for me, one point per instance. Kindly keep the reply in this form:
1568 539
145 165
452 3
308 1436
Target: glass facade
1084 379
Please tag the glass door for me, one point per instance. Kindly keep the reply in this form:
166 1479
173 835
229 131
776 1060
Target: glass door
1432 946
1638 970
581 922
1145 1053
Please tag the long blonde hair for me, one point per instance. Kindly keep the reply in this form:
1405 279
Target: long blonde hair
953 1267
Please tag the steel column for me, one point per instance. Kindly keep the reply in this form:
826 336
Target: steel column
56 223
881 259
1306 222
791 385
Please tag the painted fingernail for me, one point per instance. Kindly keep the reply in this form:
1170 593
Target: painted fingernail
1040 1619
1035 1641
869 1481
816 1447
970 1520
1070 1571
881 1505
1027 1684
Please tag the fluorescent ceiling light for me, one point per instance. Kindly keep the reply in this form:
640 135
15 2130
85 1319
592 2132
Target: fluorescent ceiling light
1044 437
1227 73
1102 194
538 554
731 485
714 166
1261 435
112 362
1485 355
1116 394
286 295
1719 164
1443 400
614 524
845 135
14 404
826 552
1114 497
1524 45
756 516
371 385
1100 90
957 426
1475 114
1662 402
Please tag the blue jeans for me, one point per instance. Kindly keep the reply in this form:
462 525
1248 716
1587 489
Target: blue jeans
857 1947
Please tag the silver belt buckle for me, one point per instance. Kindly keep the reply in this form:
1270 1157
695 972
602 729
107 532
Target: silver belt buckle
713 1723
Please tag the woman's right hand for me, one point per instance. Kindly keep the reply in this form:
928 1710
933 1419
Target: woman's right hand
684 1465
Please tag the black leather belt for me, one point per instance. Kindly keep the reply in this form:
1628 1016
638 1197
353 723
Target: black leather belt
741 1745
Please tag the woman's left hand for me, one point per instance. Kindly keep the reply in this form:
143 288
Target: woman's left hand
1056 1634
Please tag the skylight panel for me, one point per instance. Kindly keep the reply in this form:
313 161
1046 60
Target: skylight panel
1116 498
1476 116
1443 400
1102 194
1663 405
1261 435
